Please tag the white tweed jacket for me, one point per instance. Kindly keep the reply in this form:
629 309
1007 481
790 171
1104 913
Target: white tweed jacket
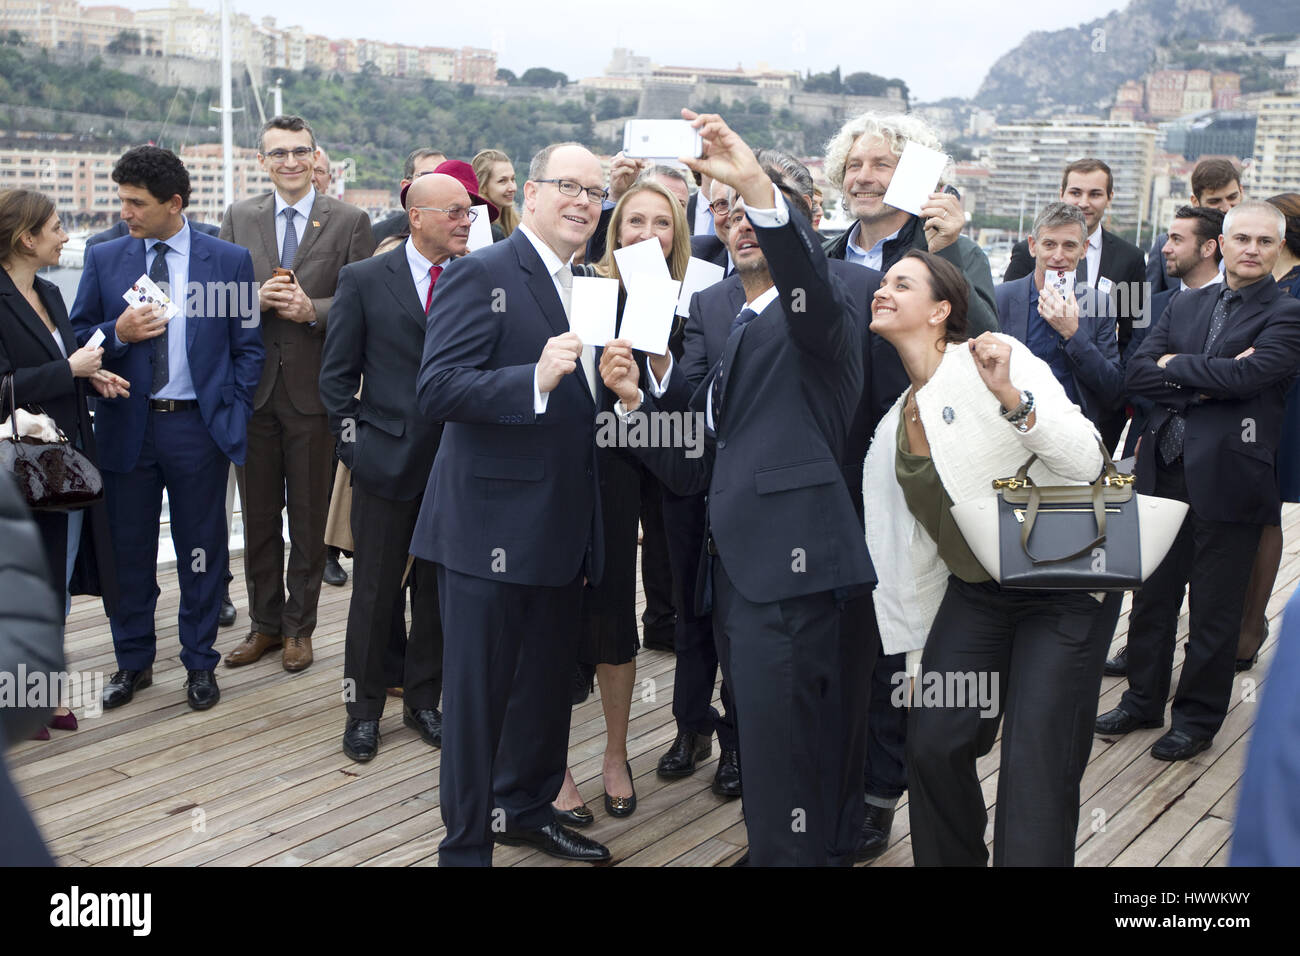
971 446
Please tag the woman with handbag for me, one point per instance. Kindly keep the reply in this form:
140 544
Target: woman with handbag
977 409
38 349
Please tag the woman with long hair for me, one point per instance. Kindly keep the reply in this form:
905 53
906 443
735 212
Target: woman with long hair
38 347
609 638
496 184
977 409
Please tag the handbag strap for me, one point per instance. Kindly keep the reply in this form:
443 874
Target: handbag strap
13 405
1109 473
1031 515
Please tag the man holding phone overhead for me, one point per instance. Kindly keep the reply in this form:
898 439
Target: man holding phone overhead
299 240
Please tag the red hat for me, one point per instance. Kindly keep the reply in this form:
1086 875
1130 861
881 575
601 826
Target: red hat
464 173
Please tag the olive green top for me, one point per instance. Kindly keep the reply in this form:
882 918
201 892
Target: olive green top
930 505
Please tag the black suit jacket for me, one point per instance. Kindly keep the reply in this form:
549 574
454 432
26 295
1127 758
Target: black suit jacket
377 334
710 249
512 495
1121 262
1157 274
1233 407
1142 406
791 383
43 377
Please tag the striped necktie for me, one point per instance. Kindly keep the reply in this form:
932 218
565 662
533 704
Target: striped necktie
290 250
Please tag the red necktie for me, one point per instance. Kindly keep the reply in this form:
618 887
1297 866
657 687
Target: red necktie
434 272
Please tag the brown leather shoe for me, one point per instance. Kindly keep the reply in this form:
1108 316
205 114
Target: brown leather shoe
297 653
254 646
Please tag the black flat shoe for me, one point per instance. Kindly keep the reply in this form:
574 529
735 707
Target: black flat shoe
1117 722
121 687
1246 663
1117 666
876 824
334 573
577 817
726 781
201 689
361 739
227 615
426 723
687 750
559 842
622 806
1177 745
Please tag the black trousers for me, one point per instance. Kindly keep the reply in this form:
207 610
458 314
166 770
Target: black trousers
659 620
1038 653
1216 559
381 534
697 654
508 660
859 644
781 659
885 776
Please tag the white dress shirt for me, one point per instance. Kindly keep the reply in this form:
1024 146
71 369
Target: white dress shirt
1093 257
420 267
553 266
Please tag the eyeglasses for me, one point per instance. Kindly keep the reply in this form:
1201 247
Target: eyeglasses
720 207
454 213
568 187
301 154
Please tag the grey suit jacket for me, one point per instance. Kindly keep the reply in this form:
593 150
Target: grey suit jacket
337 233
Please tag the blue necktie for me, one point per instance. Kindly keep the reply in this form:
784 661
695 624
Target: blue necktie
158 273
739 322
290 250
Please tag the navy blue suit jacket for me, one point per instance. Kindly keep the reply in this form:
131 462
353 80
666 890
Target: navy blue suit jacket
779 508
512 496
1092 353
1233 407
224 348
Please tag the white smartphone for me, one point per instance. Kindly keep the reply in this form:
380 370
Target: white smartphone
661 139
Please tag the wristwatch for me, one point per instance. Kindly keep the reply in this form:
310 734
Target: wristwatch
1019 416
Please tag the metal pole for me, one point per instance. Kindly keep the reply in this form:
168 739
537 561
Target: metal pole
227 124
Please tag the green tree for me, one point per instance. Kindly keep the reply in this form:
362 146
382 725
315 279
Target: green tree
541 76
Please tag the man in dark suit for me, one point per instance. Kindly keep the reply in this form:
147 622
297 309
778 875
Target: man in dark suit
712 247
419 162
1111 265
1074 335
299 240
783 543
511 514
1191 251
186 418
1216 185
1217 367
377 336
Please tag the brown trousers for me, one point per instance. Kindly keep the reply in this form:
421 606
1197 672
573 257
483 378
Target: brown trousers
290 462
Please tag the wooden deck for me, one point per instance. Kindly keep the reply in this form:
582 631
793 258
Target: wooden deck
261 778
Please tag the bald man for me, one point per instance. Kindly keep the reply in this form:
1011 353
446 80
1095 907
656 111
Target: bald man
376 334
510 515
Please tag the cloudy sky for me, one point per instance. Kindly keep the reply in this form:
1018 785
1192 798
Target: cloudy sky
939 47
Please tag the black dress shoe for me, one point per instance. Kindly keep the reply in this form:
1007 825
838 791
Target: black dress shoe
361 739
876 824
584 682
687 750
577 817
122 686
1117 666
201 689
227 615
1177 745
1119 721
622 806
559 842
334 573
726 782
426 723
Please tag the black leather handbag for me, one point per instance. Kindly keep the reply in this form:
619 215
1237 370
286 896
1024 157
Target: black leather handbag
1098 537
50 475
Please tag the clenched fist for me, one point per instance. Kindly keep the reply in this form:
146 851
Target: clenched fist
559 357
